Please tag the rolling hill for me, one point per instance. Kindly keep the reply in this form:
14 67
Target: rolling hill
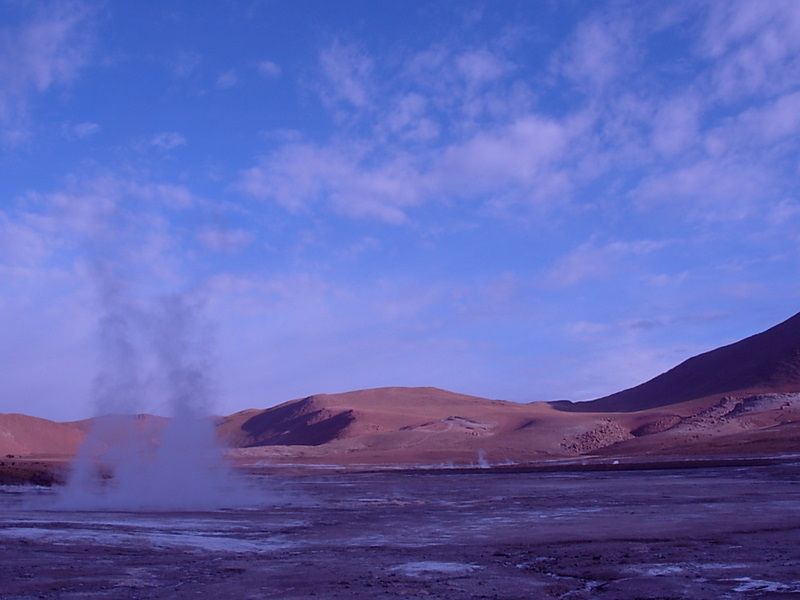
738 400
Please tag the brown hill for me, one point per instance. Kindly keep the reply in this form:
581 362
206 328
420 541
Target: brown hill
739 400
324 418
398 425
768 362
426 426
24 435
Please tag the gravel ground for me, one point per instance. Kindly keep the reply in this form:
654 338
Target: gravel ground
703 533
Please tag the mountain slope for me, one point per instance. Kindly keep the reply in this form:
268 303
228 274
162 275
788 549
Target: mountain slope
324 418
768 362
21 434
737 400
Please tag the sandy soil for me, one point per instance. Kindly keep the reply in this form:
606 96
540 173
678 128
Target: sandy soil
702 533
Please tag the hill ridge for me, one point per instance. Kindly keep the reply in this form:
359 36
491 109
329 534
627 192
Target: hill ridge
768 361
738 399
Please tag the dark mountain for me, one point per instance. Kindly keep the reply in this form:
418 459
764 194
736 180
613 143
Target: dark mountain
767 362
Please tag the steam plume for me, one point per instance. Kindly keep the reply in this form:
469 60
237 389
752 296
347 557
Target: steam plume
130 461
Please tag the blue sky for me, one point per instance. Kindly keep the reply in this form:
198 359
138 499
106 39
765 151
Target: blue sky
518 200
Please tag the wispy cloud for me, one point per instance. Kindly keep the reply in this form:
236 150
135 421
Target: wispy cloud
269 69
481 66
527 155
676 125
521 163
221 239
61 227
592 261
712 190
168 140
601 50
46 47
409 119
185 63
459 122
80 130
227 79
755 46
551 186
301 176
347 71
762 125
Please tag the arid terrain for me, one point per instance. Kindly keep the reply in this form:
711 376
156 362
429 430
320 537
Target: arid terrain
705 533
740 400
687 486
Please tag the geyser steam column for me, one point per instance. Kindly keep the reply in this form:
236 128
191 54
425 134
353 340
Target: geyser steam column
188 464
134 463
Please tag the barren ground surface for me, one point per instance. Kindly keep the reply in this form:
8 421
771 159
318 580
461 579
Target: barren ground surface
729 532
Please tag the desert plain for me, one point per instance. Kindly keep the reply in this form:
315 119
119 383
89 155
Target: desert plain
706 533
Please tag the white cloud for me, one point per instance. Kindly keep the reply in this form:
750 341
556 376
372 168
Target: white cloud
22 242
601 49
186 63
78 212
765 124
347 70
457 122
521 153
523 162
83 130
409 118
667 280
623 352
465 87
713 190
88 215
269 69
784 212
359 248
430 68
781 119
481 66
592 261
167 195
48 49
676 125
224 240
80 130
755 46
302 175
226 80
444 123
168 140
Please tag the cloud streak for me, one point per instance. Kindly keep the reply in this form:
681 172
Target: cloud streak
42 49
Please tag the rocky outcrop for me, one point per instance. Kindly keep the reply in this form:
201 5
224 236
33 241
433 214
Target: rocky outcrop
606 432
